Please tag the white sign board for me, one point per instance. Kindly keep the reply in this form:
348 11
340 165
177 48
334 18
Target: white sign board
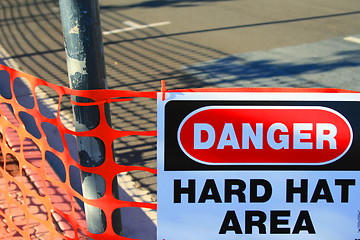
258 165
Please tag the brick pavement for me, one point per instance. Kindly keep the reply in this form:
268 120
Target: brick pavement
25 197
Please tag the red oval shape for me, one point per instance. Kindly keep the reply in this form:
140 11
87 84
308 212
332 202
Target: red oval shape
265 135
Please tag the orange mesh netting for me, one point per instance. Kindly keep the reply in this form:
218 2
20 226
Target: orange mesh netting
35 202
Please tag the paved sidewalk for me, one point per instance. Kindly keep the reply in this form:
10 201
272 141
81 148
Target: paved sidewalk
22 193
137 223
14 210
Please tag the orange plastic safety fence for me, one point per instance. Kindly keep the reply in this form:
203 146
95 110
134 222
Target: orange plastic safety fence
35 203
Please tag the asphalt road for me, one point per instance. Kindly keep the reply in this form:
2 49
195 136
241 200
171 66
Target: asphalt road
192 32
235 26
173 40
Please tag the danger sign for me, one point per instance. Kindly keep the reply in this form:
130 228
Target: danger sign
303 135
259 165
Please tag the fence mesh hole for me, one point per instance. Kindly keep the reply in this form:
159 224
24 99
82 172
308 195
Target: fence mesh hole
23 94
48 101
30 124
53 136
5 90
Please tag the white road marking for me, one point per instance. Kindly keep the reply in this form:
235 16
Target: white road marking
134 26
353 39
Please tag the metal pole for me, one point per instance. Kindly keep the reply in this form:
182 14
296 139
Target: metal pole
86 71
